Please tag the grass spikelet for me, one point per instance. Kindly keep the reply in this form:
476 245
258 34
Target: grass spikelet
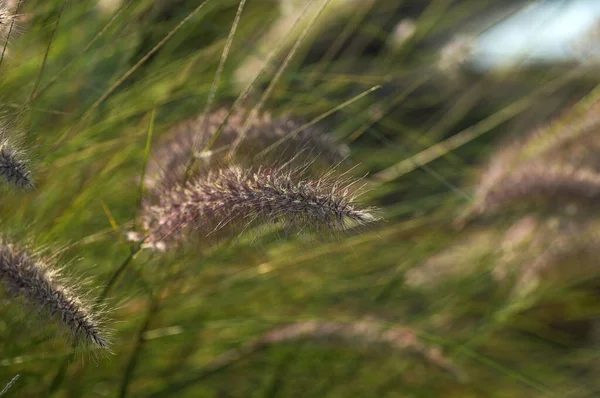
242 197
565 256
570 140
44 289
460 259
541 181
573 125
367 332
168 165
13 167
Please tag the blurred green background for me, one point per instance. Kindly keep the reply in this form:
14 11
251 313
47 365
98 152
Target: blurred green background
420 119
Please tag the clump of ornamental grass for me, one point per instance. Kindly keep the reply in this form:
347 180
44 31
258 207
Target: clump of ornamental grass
366 333
235 198
44 289
169 164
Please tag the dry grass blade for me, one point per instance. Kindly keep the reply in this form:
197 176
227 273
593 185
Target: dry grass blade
126 75
217 79
45 59
68 66
9 385
438 150
8 23
258 107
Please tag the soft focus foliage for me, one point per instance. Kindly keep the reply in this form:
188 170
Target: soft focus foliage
475 278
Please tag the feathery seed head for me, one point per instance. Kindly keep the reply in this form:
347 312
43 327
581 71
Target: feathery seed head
236 196
43 288
541 180
168 166
12 166
557 255
368 332
557 160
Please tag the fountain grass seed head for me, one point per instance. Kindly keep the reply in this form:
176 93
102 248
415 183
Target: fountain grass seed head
42 287
237 197
168 166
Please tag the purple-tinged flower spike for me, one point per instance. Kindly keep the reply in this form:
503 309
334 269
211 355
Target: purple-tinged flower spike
168 166
13 167
233 196
42 287
367 333
541 181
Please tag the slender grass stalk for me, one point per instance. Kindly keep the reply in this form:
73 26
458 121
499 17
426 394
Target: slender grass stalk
9 385
126 75
258 107
297 131
443 148
74 61
10 30
146 156
215 84
137 349
60 375
244 94
43 66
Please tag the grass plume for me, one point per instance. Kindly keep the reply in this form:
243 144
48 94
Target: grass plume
367 332
569 255
13 166
237 196
44 289
541 181
168 165
557 159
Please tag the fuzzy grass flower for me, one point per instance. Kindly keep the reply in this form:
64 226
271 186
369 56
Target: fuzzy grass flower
236 196
45 290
